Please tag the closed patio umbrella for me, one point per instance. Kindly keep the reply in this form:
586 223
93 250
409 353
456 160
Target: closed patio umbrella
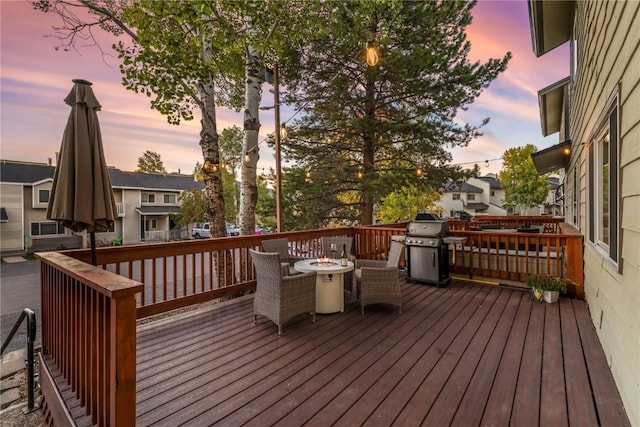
81 196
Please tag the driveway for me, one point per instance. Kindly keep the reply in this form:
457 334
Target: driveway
19 289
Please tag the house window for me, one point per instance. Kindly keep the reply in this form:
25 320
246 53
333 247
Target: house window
43 196
152 224
604 185
148 198
170 199
493 193
455 196
471 196
46 228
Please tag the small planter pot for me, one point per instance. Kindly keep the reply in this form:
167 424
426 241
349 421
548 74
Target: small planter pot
538 294
546 296
550 296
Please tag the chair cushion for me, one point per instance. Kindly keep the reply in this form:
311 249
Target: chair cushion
293 271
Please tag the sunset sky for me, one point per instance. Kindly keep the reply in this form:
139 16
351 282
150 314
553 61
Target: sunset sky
35 79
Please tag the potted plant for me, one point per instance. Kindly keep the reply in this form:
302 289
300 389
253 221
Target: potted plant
546 288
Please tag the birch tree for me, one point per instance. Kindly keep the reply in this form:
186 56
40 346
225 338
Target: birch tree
190 56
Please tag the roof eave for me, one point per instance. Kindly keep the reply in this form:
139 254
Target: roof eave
552 158
551 23
551 100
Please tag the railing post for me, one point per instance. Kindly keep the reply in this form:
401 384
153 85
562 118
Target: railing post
123 361
574 263
31 336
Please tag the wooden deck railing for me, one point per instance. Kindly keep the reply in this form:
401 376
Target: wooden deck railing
551 224
515 256
178 274
89 313
89 340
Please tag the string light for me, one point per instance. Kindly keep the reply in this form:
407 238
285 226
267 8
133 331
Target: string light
486 162
371 54
209 167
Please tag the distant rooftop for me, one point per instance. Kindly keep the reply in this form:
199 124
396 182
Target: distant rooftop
28 173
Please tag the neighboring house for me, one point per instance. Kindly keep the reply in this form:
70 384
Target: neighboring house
495 191
24 196
596 113
146 204
485 196
463 196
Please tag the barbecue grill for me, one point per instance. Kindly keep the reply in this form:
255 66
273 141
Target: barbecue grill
427 253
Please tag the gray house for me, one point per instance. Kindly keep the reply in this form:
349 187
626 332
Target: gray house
146 204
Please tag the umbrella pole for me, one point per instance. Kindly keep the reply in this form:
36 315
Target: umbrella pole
94 260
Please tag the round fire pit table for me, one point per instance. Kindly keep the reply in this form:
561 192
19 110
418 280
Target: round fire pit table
329 282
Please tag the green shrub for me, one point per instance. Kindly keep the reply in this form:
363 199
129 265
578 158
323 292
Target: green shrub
547 283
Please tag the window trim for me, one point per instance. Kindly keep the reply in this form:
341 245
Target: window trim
575 196
40 192
608 122
169 195
150 195
39 233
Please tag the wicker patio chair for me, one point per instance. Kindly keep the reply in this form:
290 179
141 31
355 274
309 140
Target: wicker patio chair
377 281
339 241
281 298
281 247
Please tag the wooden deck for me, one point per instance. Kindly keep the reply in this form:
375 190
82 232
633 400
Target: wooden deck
460 355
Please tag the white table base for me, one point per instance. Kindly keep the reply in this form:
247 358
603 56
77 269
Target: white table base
329 293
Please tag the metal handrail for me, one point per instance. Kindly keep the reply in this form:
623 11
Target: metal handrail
31 336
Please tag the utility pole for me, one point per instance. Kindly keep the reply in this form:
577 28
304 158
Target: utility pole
276 101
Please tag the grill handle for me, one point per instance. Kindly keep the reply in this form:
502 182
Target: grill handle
433 259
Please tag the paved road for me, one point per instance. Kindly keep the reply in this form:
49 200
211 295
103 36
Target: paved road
19 289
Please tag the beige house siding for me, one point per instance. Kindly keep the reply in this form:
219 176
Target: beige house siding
35 201
11 232
131 220
608 41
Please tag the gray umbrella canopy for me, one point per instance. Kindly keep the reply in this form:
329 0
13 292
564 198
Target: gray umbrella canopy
81 197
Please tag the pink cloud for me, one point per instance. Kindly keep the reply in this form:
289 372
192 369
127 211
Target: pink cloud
36 78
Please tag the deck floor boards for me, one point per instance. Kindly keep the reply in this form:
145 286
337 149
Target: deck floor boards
461 355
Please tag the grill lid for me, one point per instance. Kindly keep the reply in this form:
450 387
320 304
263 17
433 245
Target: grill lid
428 228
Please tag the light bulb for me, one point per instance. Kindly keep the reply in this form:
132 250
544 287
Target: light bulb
372 55
283 131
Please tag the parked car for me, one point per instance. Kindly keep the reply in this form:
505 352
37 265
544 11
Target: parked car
203 231
232 230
